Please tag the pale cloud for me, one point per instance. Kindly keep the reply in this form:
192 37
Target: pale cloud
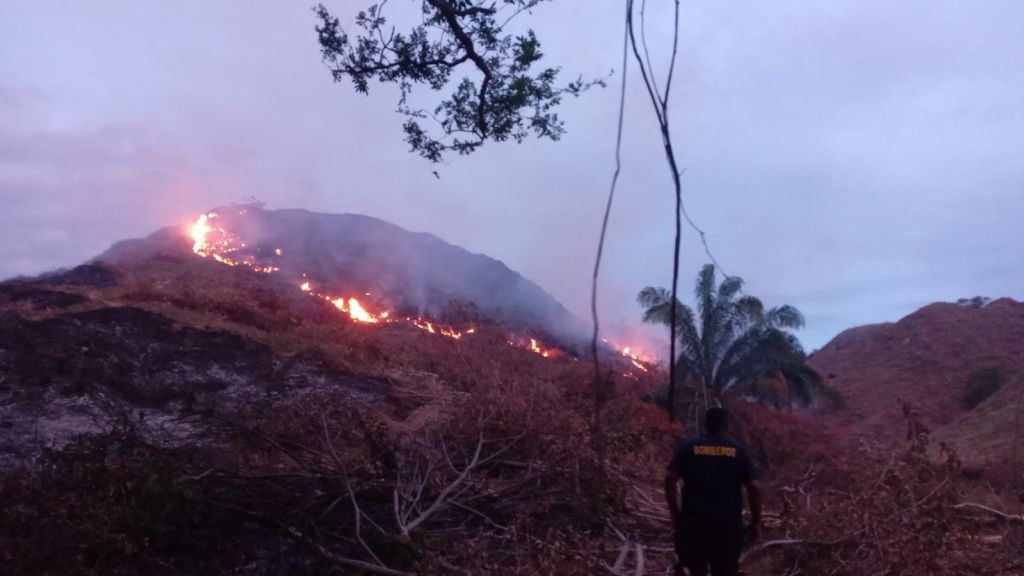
857 159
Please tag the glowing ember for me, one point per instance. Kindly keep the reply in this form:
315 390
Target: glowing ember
633 358
537 349
277 251
305 287
452 333
429 327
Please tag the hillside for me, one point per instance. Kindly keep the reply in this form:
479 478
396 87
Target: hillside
413 273
929 359
187 407
266 310
198 417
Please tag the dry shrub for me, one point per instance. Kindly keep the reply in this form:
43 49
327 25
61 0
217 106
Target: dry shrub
476 458
878 510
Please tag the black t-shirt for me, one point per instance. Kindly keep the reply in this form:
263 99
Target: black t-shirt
713 469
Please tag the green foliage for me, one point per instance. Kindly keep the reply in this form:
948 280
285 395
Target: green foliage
976 302
733 346
981 384
512 99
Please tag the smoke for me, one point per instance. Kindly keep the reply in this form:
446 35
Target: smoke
412 274
68 193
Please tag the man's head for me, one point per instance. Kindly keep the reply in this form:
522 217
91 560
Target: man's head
716 420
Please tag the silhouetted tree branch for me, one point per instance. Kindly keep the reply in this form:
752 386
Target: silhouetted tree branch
511 101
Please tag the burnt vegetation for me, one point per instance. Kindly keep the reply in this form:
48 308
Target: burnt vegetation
297 441
982 384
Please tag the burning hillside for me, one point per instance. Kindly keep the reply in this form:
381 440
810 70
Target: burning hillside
383 267
211 238
227 276
217 398
181 343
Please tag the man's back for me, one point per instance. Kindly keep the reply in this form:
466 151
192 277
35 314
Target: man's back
713 469
709 521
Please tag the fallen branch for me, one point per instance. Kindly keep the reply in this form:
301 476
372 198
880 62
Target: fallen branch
1013 518
356 510
341 560
797 542
442 498
621 560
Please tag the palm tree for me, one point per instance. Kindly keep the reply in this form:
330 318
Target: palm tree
735 347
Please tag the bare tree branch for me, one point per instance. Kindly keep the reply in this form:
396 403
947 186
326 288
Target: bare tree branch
442 498
340 560
351 494
999 514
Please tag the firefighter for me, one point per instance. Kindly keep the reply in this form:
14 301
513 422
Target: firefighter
708 520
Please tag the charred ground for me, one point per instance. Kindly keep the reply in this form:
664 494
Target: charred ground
167 414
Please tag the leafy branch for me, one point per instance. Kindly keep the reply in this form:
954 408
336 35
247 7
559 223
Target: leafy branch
512 99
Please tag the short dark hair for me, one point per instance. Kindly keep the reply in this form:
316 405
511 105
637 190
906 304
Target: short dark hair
715 420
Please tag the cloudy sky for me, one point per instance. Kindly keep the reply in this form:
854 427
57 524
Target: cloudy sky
857 159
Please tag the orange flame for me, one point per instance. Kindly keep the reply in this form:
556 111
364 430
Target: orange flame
200 230
429 327
537 349
218 249
633 357
355 310
424 325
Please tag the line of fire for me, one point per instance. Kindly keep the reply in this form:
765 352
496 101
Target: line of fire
210 239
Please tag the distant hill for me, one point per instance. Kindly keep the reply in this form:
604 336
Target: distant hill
931 359
414 272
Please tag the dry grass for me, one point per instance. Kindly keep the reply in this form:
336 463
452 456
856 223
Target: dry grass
485 459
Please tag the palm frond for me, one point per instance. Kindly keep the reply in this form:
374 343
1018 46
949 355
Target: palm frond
730 287
651 296
733 320
689 338
742 360
733 345
785 316
704 290
657 303
751 308
806 385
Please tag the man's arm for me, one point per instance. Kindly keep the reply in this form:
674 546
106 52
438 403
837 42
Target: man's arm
754 500
672 481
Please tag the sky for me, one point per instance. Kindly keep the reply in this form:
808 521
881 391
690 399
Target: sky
857 159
